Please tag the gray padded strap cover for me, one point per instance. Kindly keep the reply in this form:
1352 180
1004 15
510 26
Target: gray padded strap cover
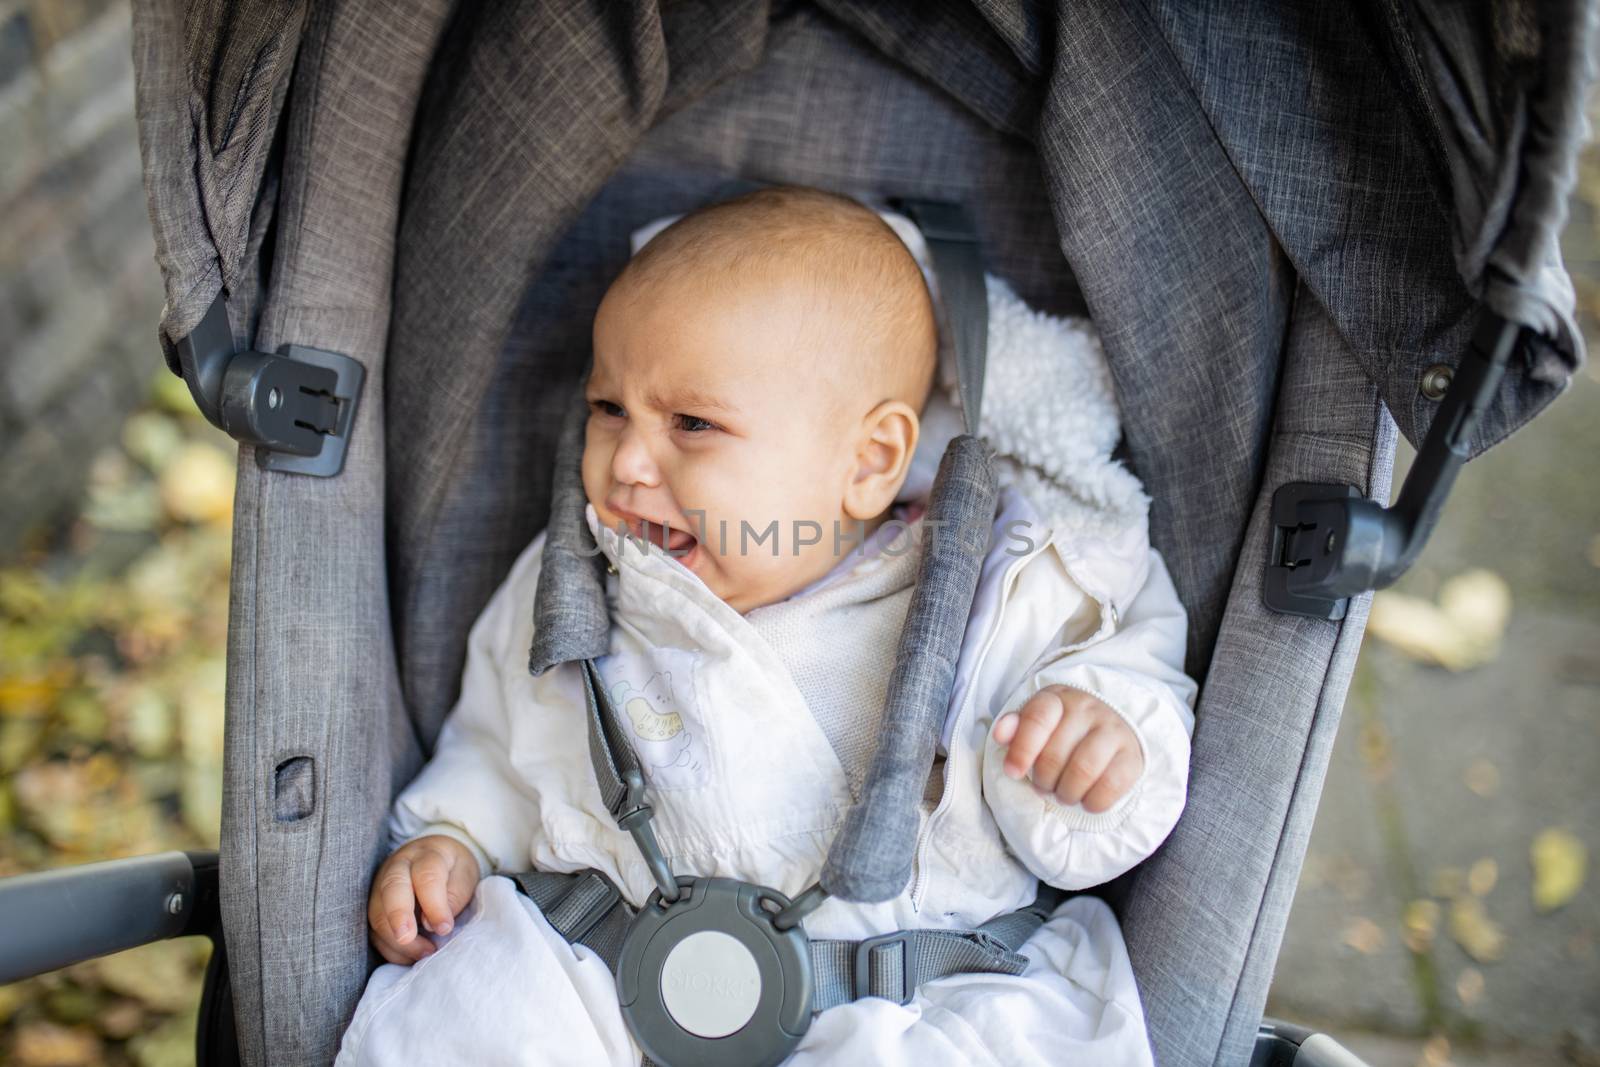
569 609
872 857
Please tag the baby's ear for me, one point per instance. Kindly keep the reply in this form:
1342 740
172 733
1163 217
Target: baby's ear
885 445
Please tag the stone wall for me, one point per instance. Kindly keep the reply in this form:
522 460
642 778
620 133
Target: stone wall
80 295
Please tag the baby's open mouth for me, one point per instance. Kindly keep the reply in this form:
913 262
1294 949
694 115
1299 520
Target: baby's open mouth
679 542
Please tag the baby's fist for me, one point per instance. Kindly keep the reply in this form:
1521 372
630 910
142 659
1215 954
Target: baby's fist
434 875
1077 747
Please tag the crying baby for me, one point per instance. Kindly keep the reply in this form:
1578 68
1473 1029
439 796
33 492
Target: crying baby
764 371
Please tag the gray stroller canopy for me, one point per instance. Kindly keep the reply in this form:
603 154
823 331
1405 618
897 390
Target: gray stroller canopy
1280 217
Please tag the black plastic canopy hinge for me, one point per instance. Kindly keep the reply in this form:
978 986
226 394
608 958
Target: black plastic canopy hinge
1329 543
1304 549
296 406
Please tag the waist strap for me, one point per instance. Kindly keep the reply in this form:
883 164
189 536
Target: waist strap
586 909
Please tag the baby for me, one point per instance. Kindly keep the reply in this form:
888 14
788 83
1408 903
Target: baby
761 373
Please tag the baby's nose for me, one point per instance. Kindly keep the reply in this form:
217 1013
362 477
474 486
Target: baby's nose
632 463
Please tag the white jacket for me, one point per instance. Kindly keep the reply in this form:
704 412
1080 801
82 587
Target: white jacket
511 774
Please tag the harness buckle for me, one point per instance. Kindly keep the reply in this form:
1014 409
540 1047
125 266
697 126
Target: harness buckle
862 973
636 820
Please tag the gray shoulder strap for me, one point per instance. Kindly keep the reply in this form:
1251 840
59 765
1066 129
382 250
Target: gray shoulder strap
570 620
963 294
874 854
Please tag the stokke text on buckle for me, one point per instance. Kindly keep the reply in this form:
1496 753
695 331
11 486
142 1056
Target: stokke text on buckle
712 970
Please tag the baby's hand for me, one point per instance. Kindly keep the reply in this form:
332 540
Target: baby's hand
1077 747
436 874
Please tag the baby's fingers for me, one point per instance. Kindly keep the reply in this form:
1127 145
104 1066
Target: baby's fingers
1087 761
430 875
1027 731
388 946
418 948
394 900
1115 780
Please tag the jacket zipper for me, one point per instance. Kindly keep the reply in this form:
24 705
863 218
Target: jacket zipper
920 877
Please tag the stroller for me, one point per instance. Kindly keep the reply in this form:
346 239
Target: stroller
384 227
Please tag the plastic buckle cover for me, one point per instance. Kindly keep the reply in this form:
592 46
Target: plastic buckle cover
742 911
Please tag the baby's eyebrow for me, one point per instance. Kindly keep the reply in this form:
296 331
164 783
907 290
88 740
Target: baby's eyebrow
680 399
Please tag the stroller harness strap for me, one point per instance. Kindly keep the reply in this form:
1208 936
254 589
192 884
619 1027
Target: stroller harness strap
587 908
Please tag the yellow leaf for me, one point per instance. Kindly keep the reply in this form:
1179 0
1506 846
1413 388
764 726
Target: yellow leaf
1421 921
197 485
1474 931
1478 602
1559 862
1436 1053
1461 631
46 1044
1416 628
1482 876
1364 935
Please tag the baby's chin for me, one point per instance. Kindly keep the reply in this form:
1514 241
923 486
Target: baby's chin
745 593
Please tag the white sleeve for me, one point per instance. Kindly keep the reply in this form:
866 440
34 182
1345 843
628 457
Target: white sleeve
470 789
1138 671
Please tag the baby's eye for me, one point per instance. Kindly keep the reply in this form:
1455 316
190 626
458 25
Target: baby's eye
693 423
606 407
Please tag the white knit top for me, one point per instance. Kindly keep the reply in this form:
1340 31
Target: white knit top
838 640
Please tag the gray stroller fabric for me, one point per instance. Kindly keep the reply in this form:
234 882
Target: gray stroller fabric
1273 260
1510 167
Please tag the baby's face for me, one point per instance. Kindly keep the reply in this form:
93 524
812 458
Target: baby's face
715 414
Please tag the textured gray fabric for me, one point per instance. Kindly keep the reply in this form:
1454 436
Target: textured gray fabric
963 303
570 618
210 80
311 672
611 755
1507 83
873 855
1220 887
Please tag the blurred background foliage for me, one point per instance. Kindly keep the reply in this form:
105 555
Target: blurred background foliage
112 631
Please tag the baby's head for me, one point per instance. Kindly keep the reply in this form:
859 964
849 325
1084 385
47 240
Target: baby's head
760 362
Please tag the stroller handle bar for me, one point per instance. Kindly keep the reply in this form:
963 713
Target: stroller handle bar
1329 543
53 919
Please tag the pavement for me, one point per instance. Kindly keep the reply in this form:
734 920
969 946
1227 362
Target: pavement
1440 781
